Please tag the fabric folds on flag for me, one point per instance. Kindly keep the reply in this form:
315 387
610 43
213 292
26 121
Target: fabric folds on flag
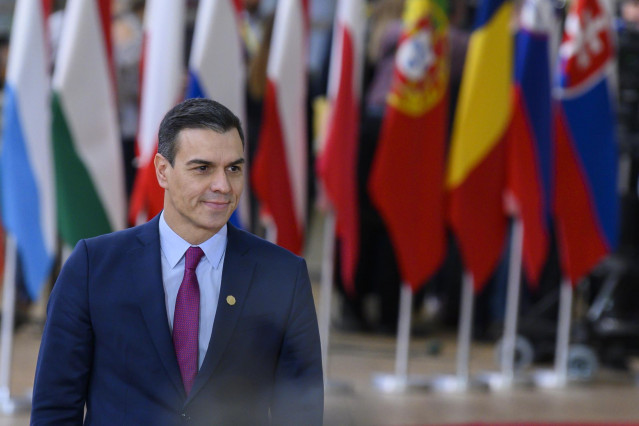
26 163
279 172
476 169
586 201
407 177
530 137
86 141
337 166
216 36
162 88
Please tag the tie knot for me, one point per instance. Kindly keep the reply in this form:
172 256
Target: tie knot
192 257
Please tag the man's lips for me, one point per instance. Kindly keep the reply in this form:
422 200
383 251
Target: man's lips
216 204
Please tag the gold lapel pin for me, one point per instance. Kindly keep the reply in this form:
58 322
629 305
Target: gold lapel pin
230 300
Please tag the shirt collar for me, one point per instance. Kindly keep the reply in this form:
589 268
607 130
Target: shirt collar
173 246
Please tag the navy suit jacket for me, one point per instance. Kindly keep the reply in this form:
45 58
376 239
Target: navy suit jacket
107 345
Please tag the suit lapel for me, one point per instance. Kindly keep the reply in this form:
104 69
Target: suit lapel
236 280
146 274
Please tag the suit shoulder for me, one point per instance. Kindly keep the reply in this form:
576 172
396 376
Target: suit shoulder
265 248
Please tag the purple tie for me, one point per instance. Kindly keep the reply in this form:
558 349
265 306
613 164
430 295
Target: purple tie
187 318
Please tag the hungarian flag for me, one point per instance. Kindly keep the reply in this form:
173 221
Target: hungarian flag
89 170
26 163
530 141
162 88
477 169
216 36
586 201
279 173
407 177
337 165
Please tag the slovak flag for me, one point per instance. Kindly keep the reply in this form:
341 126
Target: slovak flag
586 201
530 135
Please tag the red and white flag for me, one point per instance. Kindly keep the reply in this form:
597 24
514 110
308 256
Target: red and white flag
162 87
337 165
279 173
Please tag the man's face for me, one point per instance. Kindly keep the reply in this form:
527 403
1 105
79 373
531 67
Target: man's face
204 185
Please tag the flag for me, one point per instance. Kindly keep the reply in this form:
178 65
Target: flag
530 136
86 141
407 176
476 169
279 173
337 165
26 163
162 88
586 201
216 36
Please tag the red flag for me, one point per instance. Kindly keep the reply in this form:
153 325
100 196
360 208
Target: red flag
279 174
337 165
407 178
161 90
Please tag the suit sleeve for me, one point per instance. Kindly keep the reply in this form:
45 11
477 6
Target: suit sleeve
298 397
66 351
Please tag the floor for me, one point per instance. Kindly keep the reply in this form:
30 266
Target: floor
352 399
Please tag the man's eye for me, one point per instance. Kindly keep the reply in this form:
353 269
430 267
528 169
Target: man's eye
235 169
202 168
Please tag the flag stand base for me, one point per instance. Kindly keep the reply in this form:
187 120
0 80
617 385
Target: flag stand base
498 381
549 379
393 383
9 405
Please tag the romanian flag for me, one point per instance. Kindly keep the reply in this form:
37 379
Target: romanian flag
407 177
279 173
530 138
162 88
87 149
216 36
476 170
586 200
26 163
337 166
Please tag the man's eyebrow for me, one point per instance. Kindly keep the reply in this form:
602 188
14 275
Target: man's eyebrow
209 163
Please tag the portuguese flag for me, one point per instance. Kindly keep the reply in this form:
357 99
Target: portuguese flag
407 177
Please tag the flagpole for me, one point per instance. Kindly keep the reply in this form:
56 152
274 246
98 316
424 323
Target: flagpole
465 332
399 382
326 287
325 302
9 405
558 377
506 377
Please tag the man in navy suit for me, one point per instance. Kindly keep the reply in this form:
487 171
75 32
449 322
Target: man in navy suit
185 318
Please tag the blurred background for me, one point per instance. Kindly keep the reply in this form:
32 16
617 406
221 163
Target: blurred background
399 146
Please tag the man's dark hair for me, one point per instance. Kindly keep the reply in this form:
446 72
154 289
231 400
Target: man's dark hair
195 113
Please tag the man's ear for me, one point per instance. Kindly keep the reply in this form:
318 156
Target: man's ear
162 168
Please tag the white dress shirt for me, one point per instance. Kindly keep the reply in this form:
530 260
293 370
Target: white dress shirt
209 277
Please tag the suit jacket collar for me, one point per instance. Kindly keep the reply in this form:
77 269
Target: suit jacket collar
236 281
146 272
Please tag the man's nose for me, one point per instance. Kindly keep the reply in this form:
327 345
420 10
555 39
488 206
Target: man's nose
220 182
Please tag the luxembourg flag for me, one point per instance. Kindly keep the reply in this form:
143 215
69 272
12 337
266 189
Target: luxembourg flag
586 201
162 88
216 36
279 173
337 166
26 167
530 138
